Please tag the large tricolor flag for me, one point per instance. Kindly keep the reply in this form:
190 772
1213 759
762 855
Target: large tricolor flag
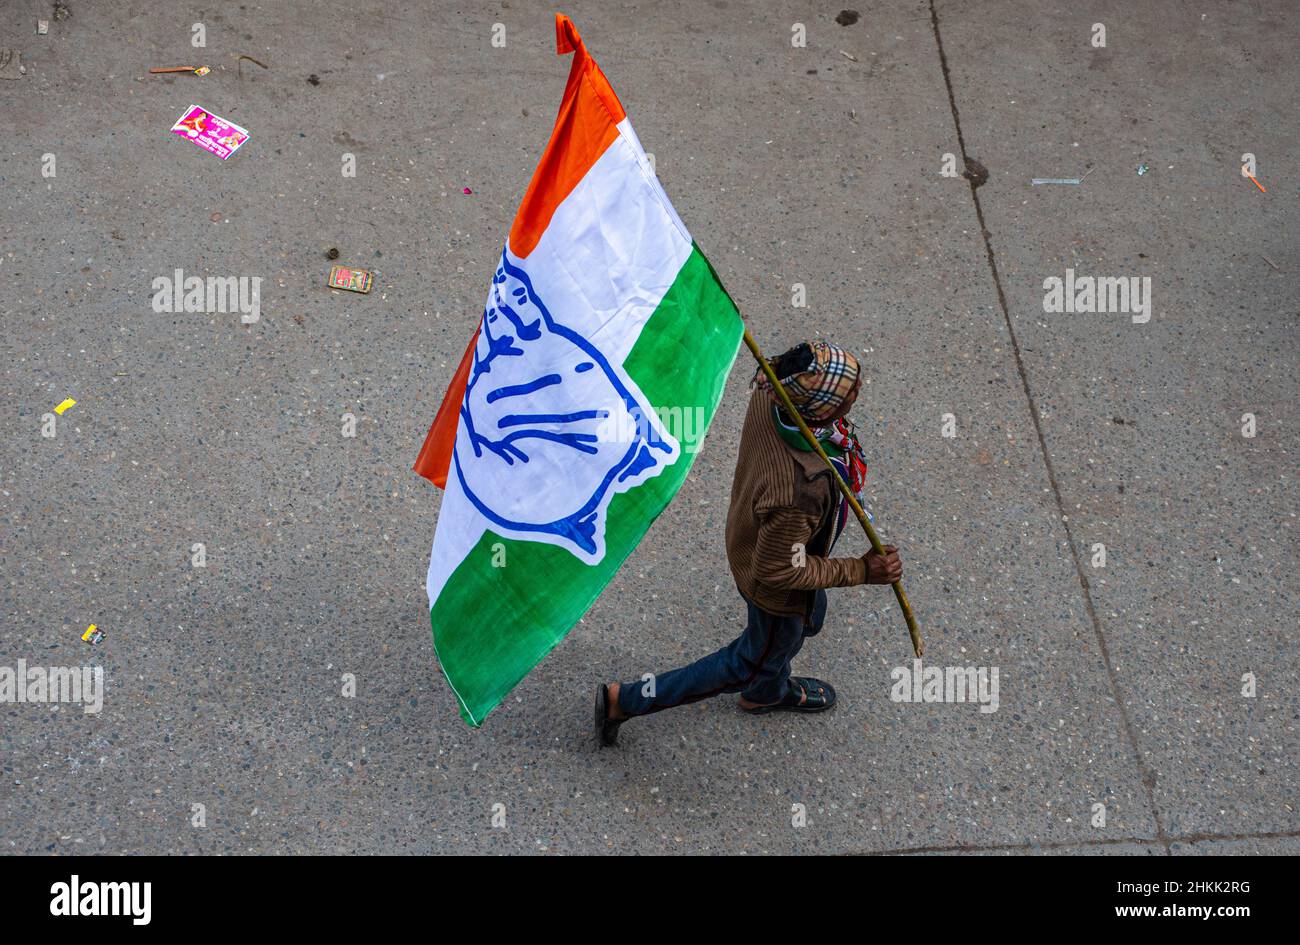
580 401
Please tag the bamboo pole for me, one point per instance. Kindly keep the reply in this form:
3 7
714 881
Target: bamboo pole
918 645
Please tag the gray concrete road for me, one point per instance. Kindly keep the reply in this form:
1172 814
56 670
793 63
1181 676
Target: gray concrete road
1119 686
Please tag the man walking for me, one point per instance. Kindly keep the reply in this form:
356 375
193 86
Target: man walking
785 516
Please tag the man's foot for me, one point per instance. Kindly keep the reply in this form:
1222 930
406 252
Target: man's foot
751 706
606 706
806 695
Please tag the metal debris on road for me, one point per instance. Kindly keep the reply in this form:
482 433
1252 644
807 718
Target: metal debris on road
197 70
1142 169
239 64
1062 180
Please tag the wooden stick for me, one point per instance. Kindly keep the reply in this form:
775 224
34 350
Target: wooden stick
918 646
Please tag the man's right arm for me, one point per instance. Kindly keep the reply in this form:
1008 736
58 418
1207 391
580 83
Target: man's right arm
781 559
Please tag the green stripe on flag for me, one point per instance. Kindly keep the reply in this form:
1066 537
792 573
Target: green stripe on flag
491 625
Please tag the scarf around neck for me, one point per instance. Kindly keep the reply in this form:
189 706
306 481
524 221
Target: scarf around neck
839 441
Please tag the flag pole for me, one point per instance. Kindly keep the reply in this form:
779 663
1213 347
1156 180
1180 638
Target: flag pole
917 644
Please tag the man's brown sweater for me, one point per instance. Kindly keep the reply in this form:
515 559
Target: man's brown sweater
781 499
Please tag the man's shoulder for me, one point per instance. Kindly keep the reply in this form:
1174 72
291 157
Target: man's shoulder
777 477
760 436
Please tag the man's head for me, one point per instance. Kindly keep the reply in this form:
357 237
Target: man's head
822 379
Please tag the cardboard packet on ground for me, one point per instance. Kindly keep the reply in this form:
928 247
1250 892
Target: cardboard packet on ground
354 280
210 132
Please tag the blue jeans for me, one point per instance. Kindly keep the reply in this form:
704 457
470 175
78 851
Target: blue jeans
756 665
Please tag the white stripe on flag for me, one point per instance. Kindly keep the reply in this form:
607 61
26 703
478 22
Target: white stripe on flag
451 545
611 251
609 254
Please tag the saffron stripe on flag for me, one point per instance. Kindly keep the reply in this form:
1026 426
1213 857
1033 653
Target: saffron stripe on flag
584 127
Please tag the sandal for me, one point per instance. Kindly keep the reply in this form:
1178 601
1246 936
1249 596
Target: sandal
816 696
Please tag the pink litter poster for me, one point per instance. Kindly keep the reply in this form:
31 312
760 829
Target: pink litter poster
210 132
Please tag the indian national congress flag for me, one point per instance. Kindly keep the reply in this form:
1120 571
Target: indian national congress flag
555 443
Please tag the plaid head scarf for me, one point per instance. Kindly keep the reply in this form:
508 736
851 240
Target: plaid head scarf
819 387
